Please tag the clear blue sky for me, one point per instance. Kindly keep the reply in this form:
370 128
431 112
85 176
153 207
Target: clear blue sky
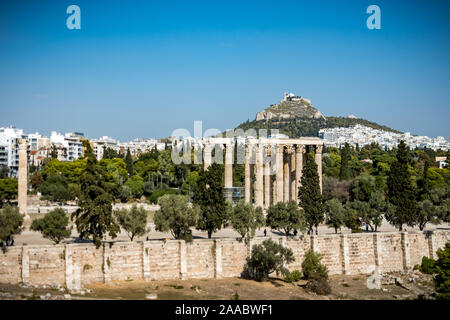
145 68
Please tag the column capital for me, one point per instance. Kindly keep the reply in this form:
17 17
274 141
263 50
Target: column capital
319 148
289 149
300 148
280 148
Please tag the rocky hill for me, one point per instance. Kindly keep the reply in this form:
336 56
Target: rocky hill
290 107
296 117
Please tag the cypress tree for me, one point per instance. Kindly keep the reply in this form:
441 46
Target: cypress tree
129 162
401 192
310 195
208 194
345 173
94 216
425 192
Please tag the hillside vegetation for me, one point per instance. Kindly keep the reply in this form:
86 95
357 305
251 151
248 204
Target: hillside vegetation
309 127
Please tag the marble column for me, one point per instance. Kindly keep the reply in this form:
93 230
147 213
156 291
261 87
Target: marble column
23 177
267 179
299 167
279 174
247 173
206 156
293 196
259 173
286 174
229 155
318 159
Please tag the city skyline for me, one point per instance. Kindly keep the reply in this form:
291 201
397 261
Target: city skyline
146 69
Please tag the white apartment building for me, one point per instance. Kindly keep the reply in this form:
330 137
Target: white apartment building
9 148
100 144
68 146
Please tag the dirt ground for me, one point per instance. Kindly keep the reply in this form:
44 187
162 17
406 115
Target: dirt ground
342 288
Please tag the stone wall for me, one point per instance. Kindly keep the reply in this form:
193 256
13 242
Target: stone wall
75 265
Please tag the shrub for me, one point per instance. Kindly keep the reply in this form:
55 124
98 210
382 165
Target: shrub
266 258
428 266
53 225
153 198
319 286
312 267
294 276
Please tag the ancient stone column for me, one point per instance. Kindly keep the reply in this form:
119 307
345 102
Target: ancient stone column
286 174
267 178
23 177
279 174
229 155
206 156
318 159
259 173
293 196
298 167
247 173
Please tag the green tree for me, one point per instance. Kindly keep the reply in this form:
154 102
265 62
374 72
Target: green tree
310 195
401 191
189 184
177 215
129 162
442 280
133 221
125 193
8 190
345 171
53 225
94 216
246 219
425 190
363 187
208 194
11 222
427 212
335 214
36 180
266 258
136 185
285 217
55 188
109 153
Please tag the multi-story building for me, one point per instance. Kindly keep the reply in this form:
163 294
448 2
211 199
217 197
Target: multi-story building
9 148
100 144
68 147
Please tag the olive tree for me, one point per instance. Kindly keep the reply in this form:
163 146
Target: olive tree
133 221
53 225
246 219
177 215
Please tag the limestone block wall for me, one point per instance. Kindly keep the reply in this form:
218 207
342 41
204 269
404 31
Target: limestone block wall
45 265
360 253
234 254
11 265
75 265
299 248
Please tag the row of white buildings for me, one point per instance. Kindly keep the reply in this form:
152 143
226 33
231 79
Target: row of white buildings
136 146
68 147
362 135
